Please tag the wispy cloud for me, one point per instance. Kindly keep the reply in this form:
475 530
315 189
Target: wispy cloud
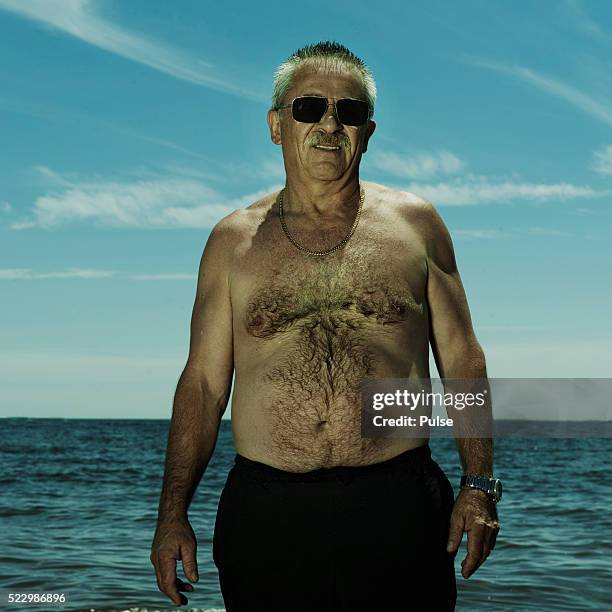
158 202
88 273
554 87
486 234
509 328
270 168
24 107
581 20
28 274
547 231
80 18
480 190
602 161
420 166
502 234
163 277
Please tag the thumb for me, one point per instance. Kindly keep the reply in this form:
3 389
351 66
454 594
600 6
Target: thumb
455 534
190 565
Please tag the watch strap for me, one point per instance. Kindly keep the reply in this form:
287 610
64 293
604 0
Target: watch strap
483 483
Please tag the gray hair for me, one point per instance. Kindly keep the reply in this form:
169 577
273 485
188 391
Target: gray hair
327 55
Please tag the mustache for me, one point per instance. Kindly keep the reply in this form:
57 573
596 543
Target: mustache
328 142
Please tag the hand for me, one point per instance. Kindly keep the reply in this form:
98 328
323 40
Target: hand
174 540
474 512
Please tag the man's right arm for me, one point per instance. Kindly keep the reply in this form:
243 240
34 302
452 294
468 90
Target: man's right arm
205 384
200 400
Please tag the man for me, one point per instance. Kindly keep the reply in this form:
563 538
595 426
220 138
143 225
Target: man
303 294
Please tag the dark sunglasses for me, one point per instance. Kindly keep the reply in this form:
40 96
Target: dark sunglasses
310 109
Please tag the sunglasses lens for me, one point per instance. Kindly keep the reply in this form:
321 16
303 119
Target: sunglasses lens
352 112
309 109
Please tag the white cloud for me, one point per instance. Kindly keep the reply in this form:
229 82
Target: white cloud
554 87
479 189
547 231
602 161
80 18
162 202
508 328
497 234
170 276
28 274
486 234
267 168
5 207
420 166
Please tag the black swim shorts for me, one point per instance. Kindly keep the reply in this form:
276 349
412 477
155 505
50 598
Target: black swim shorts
342 539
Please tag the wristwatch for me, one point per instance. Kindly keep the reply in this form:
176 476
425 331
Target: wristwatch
491 486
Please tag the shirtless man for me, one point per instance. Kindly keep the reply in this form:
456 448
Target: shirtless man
303 294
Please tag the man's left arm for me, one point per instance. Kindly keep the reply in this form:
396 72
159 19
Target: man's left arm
458 355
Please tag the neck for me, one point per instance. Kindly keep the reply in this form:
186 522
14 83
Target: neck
322 199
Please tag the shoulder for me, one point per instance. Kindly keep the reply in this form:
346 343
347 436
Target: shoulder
423 216
411 206
405 202
238 227
237 224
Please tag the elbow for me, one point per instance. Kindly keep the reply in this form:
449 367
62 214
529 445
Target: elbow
468 362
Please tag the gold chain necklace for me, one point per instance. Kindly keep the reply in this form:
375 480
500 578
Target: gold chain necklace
335 248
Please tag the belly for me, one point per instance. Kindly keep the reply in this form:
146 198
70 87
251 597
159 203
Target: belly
297 400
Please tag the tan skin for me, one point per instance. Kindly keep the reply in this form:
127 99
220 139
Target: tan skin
300 332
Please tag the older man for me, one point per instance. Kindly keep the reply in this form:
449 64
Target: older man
304 294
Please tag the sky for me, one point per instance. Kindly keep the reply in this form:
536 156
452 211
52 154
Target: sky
128 129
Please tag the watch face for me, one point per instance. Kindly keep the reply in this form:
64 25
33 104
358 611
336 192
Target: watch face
498 489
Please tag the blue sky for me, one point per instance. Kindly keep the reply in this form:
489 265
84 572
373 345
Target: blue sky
129 128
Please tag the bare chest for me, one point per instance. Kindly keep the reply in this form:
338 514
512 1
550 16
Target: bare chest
377 279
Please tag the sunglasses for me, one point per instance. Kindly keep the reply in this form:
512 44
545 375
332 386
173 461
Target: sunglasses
310 109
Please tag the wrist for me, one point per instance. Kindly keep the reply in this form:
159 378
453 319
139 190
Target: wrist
491 487
471 492
172 516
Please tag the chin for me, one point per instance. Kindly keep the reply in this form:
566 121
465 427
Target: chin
325 176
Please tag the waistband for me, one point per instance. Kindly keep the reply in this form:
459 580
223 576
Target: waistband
262 471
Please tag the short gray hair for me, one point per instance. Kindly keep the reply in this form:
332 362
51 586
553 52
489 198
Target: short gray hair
327 55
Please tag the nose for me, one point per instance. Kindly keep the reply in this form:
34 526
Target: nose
330 118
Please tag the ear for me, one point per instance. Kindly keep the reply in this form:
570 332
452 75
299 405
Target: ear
275 126
369 131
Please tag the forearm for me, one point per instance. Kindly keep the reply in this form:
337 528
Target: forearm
476 455
191 440
472 423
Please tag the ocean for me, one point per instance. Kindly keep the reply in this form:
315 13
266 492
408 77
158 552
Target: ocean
78 505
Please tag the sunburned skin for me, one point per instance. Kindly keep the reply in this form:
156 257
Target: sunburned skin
308 330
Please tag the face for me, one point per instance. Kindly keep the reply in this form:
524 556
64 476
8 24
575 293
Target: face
299 140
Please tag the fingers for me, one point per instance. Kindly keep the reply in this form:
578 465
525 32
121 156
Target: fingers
165 571
481 541
166 578
183 586
475 546
190 563
455 534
